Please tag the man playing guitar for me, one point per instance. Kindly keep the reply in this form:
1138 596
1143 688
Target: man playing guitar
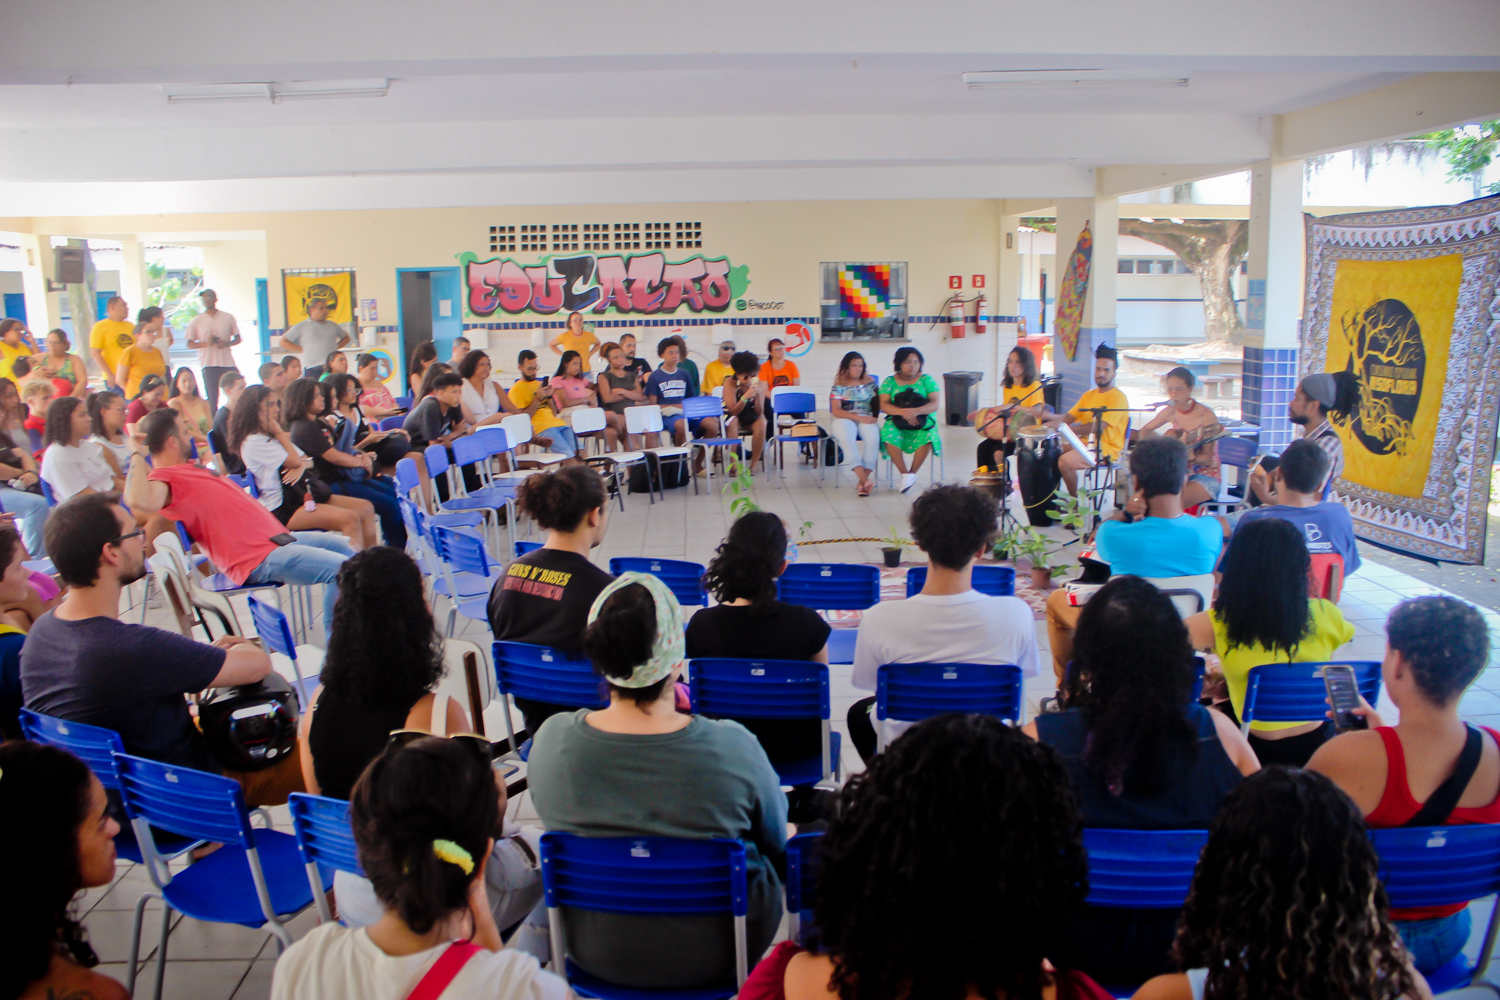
1196 426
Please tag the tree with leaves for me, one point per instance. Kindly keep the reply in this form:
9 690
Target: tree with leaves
1468 149
1212 249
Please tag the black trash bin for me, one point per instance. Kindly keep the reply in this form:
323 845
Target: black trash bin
961 396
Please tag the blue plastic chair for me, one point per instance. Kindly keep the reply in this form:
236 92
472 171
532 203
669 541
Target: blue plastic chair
684 579
792 402
648 876
475 450
408 480
803 860
460 551
770 689
393 423
996 581
256 879
539 673
1294 692
1437 865
276 635
47 493
911 692
404 402
324 841
524 547
96 747
841 643
695 408
1141 869
830 586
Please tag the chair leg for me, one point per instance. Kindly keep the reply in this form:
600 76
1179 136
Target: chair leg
161 949
135 938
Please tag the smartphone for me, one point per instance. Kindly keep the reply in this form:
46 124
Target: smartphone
1343 695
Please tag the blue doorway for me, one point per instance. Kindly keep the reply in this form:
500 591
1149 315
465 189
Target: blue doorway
430 303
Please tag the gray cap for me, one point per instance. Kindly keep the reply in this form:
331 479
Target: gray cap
727 343
1321 387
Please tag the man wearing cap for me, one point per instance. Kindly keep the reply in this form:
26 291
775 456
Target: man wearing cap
1112 424
212 333
719 369
1317 396
315 337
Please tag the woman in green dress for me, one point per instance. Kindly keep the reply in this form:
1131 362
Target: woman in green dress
908 399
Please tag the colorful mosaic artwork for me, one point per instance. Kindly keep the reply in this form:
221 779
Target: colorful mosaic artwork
864 290
1070 295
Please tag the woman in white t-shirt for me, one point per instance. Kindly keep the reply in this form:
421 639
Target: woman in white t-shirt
425 815
486 400
107 425
73 464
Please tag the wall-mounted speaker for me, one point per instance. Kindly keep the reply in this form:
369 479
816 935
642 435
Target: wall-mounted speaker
68 262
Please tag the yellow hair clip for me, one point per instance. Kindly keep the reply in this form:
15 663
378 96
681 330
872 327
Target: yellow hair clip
450 852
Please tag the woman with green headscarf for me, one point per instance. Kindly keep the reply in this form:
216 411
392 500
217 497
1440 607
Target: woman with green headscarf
639 767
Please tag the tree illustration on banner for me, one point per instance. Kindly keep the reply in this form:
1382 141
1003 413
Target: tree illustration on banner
1075 285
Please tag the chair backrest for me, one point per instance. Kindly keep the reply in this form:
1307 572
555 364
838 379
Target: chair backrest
703 406
390 423
272 627
496 441
524 547
1326 576
404 402
759 689
461 550
469 449
245 482
523 670
165 570
1439 865
1142 869
830 586
588 420
793 399
36 439
94 745
996 581
803 861
684 579
321 826
407 477
627 874
437 459
517 428
643 419
181 800
1176 586
717 390
1294 692
47 492
171 543
1237 451
910 692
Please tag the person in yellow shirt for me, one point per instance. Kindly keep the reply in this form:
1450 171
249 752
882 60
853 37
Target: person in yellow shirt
110 338
1020 390
717 370
15 342
139 360
530 395
1112 436
574 338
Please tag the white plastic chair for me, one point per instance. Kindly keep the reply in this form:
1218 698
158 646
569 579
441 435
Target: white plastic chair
592 422
647 420
517 428
1189 594
588 426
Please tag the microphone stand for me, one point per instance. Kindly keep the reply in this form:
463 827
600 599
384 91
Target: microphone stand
1099 460
1005 485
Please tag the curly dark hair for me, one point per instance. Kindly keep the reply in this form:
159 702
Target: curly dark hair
299 397
558 502
383 648
1445 642
50 788
1160 466
469 363
1131 676
1286 902
244 419
432 789
747 563
620 639
339 384
952 523
960 815
1028 366
1262 597
59 429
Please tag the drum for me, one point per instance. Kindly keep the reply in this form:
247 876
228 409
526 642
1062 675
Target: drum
1037 451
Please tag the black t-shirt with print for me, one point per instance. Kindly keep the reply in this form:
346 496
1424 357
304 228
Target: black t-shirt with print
315 440
544 598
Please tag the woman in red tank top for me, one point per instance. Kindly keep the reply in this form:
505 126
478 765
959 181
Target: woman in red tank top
1436 647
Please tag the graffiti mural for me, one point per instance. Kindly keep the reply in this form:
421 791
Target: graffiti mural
646 284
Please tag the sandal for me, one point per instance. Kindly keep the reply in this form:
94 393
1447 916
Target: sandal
864 488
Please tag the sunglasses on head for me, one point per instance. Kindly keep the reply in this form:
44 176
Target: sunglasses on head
484 748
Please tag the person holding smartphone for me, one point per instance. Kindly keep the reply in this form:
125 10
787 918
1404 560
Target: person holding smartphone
1431 768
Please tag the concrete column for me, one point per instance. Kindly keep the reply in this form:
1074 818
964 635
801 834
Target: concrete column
42 311
1273 308
1005 303
1102 216
133 280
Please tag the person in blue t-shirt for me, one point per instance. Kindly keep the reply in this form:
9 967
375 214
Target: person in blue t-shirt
1162 541
669 385
1325 524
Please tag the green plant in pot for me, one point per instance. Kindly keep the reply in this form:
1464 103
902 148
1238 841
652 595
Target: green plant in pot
1044 555
893 544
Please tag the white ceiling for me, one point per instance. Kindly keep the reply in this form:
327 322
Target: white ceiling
669 99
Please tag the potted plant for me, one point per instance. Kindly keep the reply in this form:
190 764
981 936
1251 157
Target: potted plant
894 543
1043 555
1075 511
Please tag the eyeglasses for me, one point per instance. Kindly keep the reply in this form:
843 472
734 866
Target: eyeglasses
120 538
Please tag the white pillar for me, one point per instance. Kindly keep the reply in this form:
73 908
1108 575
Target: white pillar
133 280
1273 309
42 312
1102 216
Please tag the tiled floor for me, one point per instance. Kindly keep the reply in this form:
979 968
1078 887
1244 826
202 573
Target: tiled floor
212 962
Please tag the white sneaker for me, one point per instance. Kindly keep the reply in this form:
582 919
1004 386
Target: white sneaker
908 480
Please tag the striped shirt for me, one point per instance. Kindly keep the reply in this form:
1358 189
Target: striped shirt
1325 437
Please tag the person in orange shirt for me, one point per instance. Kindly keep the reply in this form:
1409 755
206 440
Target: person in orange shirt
776 372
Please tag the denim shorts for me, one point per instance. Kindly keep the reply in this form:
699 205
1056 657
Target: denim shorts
1209 483
1433 943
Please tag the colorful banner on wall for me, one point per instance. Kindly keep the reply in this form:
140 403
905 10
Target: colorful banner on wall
647 284
301 286
1071 293
1406 303
799 339
864 291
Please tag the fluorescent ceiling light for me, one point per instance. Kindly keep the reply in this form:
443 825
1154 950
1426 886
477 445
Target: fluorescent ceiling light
1034 79
275 93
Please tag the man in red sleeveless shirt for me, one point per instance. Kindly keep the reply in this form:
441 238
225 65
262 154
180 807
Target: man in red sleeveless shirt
1430 769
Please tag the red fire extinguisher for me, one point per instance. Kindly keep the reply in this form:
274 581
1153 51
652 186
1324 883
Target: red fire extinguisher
957 321
981 305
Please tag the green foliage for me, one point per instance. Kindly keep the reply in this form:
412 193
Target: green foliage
177 298
1468 149
894 540
1074 511
1045 225
1028 543
741 488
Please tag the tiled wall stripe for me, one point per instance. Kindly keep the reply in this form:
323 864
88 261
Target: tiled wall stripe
1270 376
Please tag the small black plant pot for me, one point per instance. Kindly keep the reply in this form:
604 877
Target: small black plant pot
892 557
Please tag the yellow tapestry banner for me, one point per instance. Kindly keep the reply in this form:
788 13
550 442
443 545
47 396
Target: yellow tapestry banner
1391 322
335 289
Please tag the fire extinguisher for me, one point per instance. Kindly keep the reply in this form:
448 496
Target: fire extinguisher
957 321
982 304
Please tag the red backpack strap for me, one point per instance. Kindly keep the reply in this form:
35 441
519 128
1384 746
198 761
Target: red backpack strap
449 964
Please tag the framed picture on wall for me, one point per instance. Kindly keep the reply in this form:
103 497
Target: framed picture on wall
863 301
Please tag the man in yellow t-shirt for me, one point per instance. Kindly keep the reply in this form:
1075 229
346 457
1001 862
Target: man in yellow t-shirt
717 370
111 337
14 344
529 395
1112 434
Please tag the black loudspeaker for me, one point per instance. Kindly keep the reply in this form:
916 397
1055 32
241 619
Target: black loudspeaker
68 262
